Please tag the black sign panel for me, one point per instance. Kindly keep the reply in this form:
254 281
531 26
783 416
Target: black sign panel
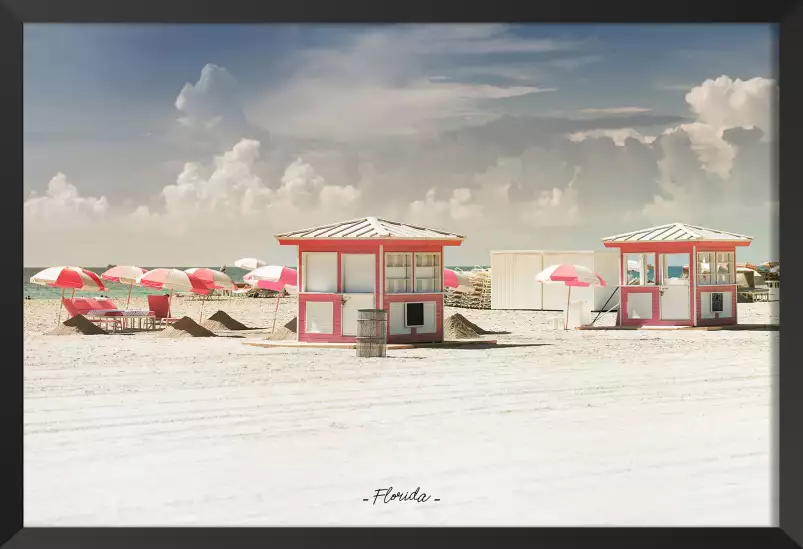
415 314
716 302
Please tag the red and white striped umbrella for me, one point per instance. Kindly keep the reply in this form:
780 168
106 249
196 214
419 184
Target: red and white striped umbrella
69 277
216 280
124 274
75 278
273 277
173 279
213 279
457 280
571 275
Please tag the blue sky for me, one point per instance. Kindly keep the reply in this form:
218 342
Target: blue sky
101 100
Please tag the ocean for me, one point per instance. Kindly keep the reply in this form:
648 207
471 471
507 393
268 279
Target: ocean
113 290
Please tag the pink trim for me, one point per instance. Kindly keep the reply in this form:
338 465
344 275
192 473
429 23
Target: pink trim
367 246
413 337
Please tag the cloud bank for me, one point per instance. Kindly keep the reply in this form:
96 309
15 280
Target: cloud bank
512 182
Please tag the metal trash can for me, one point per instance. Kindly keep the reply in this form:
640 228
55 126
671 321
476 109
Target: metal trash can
372 333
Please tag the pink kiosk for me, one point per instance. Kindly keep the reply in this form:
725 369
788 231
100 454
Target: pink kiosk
677 275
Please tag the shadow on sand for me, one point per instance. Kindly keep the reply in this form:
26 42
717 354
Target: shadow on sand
457 345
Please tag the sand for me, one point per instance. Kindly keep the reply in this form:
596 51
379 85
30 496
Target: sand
627 428
184 327
288 331
458 327
79 325
221 321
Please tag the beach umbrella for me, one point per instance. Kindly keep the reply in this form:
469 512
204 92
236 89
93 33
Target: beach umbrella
74 278
570 275
213 279
457 280
173 280
273 277
124 274
249 263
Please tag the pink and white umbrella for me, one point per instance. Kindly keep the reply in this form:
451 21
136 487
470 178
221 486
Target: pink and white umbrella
457 280
273 277
124 274
173 279
215 280
75 278
570 275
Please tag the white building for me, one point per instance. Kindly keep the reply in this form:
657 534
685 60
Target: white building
513 284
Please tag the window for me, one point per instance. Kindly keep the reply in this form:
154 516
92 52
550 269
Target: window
413 315
725 268
398 273
640 269
427 273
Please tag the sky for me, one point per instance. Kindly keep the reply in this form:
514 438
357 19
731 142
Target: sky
195 144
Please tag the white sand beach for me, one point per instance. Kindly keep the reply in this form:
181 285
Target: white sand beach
577 428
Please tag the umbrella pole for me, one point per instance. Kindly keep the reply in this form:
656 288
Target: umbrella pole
61 304
127 303
201 318
274 313
169 303
568 300
73 294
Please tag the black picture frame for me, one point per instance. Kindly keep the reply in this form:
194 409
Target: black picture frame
413 314
787 431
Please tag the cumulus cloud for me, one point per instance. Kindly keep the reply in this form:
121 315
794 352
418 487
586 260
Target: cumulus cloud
618 135
63 204
208 102
725 103
505 183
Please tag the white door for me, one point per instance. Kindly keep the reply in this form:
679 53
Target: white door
351 304
359 285
674 290
527 291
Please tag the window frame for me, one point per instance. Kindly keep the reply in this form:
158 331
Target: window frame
409 281
714 262
644 263
437 270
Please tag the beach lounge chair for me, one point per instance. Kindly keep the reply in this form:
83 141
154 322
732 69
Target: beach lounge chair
160 306
77 307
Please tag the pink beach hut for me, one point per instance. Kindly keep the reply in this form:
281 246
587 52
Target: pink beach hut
370 263
703 294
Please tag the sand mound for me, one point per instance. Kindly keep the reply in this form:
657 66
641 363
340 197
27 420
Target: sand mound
79 325
466 322
288 331
222 321
457 327
185 327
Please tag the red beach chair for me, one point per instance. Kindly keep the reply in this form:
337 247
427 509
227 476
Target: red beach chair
160 306
77 307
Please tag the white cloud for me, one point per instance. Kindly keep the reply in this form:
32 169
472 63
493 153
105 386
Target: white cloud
618 135
62 204
726 103
379 84
206 103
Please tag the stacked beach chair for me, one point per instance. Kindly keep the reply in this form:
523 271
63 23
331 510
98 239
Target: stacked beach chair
480 298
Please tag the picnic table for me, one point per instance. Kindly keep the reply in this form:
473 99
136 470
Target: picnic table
125 314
